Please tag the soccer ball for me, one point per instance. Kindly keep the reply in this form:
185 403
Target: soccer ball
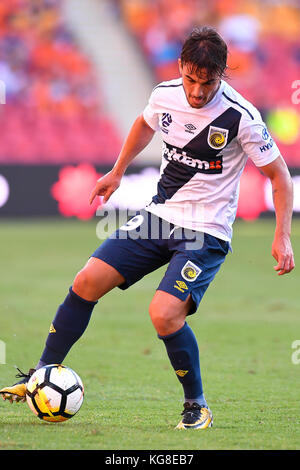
54 393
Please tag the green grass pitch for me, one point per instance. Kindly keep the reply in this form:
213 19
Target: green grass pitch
245 326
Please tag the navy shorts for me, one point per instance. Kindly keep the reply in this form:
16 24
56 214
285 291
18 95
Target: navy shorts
147 242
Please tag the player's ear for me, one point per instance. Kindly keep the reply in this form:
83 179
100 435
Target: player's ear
180 66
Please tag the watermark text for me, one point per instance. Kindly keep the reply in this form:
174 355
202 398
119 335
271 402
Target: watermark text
296 354
296 93
2 352
2 92
146 226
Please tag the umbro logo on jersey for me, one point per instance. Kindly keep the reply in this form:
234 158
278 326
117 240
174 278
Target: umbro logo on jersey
190 128
166 120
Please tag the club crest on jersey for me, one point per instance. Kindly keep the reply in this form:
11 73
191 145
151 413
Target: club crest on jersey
217 137
190 271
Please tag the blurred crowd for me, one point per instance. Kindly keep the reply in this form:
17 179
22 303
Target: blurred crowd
264 44
54 111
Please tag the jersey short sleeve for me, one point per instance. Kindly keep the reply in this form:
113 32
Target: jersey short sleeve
257 142
150 113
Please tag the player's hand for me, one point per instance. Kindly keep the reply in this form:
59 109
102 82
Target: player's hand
105 186
282 251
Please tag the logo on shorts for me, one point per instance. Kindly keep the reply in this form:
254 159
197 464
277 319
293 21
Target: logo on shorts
217 137
180 285
190 271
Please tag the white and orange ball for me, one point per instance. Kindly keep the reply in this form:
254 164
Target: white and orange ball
55 393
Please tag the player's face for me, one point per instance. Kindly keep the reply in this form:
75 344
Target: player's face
198 87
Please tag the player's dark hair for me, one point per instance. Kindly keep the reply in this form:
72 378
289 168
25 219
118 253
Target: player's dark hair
205 49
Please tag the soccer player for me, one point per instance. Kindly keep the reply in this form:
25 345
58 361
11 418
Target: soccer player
208 130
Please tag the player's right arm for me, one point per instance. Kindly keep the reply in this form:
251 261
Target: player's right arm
138 138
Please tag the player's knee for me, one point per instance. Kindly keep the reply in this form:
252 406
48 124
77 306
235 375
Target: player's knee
84 285
162 317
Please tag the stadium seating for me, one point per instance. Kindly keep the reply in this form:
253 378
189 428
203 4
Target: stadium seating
53 111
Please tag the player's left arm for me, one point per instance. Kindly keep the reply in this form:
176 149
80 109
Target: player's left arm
282 190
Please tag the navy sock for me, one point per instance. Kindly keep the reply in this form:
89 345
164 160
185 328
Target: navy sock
183 352
70 322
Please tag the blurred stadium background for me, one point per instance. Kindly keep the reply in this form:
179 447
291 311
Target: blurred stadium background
76 74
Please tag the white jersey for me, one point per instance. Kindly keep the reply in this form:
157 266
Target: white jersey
204 153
